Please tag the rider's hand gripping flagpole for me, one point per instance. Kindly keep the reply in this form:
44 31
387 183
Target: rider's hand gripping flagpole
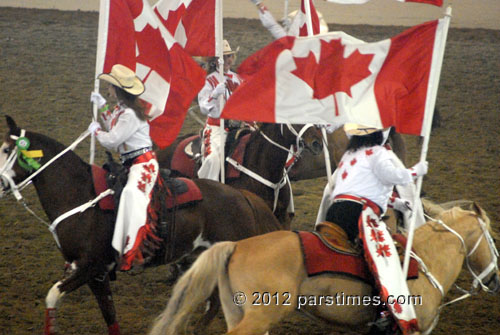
429 108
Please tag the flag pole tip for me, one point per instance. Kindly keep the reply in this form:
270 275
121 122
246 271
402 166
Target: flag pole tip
448 11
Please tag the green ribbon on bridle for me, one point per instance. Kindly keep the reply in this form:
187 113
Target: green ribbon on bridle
25 158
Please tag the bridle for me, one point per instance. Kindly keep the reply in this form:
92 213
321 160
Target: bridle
478 278
295 154
6 173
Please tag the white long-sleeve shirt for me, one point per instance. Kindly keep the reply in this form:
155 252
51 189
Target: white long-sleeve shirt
270 24
208 104
370 173
125 131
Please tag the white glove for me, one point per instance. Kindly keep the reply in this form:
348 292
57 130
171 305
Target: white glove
219 90
97 99
94 126
400 205
419 169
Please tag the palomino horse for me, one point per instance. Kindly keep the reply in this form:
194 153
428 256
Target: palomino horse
266 155
274 263
84 239
313 166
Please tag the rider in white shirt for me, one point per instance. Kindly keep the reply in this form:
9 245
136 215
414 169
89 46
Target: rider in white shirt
126 130
216 87
365 179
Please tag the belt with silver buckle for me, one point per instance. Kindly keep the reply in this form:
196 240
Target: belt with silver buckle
133 154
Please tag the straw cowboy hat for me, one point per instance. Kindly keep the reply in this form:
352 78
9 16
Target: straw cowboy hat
354 129
123 77
227 49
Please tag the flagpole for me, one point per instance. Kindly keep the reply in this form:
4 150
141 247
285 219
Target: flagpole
219 52
430 105
102 36
285 15
326 153
307 8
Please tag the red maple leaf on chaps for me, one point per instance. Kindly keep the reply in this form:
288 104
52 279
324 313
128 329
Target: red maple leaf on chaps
333 73
383 250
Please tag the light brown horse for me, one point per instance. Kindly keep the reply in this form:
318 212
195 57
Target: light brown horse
274 263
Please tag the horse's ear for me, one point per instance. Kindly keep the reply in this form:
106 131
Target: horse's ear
13 128
477 209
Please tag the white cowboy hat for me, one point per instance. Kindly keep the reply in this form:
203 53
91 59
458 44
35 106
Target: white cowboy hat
227 49
354 129
123 77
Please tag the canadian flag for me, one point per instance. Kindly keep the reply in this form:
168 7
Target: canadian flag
131 34
348 2
191 22
298 27
336 78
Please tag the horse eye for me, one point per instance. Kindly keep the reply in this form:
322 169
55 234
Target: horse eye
6 150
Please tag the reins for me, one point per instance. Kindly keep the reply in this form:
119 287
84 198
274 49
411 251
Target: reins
493 266
276 187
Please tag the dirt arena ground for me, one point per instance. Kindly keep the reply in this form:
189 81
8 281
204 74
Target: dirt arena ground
46 75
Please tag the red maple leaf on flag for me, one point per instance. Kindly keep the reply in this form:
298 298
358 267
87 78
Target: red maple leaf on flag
333 73
151 52
306 68
174 17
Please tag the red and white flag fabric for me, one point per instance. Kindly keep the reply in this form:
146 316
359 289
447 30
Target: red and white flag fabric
131 34
191 22
298 27
335 78
350 2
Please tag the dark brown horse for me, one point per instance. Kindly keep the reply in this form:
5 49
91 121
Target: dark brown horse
265 155
84 238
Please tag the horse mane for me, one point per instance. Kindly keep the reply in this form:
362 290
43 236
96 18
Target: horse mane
452 210
456 212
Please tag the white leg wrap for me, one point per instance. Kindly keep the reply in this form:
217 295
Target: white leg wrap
54 296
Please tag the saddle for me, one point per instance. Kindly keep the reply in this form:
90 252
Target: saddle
328 250
177 191
188 152
334 237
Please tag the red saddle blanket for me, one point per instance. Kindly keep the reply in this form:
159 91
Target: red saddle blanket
99 178
182 162
190 192
321 259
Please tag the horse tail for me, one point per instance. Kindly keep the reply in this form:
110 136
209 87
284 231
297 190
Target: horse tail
193 288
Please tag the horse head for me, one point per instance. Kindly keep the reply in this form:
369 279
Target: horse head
484 258
22 153
10 171
305 136
473 227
